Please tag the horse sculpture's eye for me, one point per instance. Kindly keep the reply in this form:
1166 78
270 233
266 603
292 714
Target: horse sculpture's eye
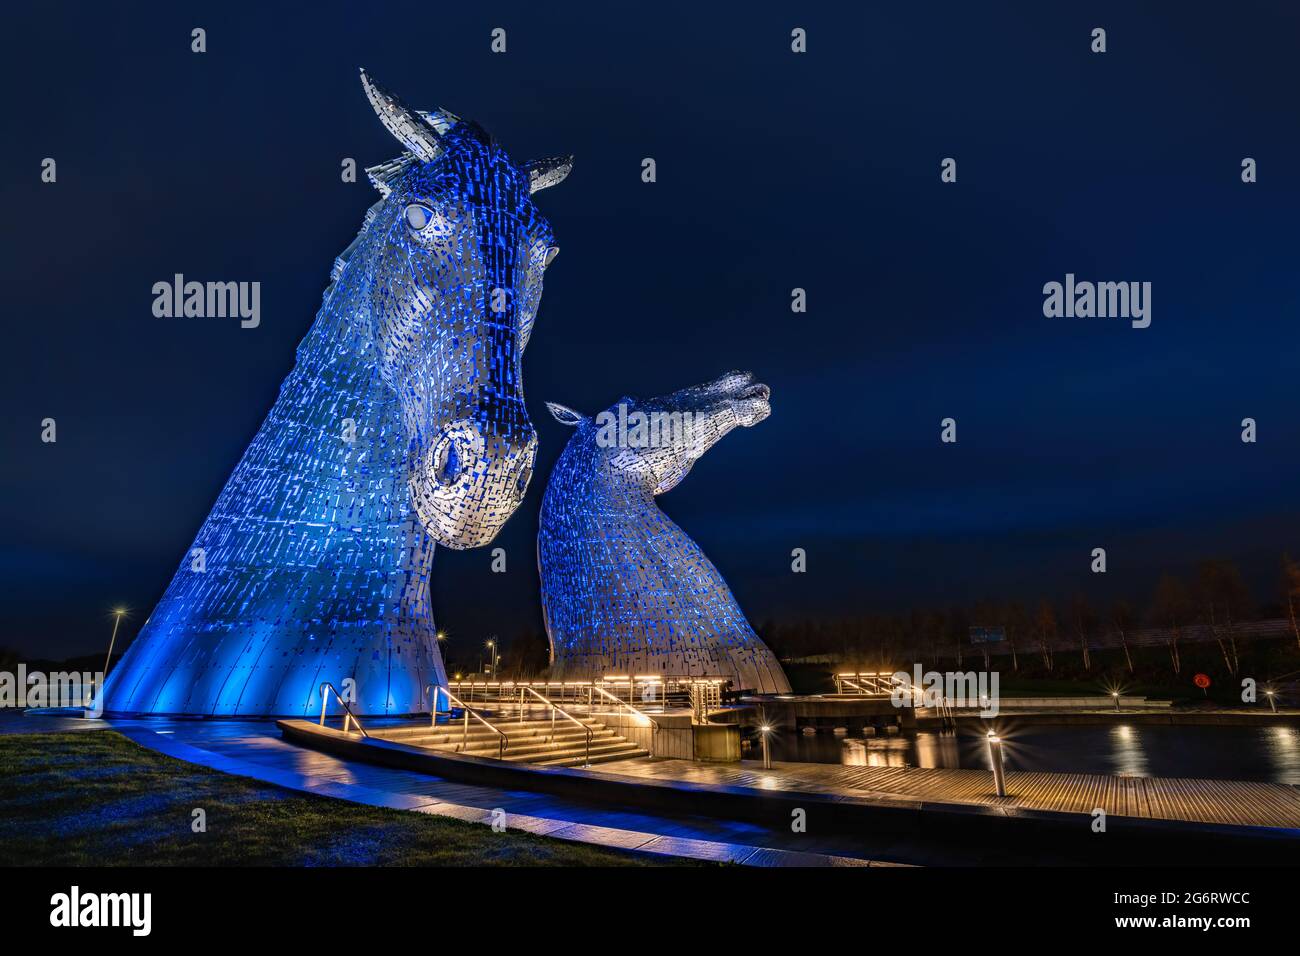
417 216
551 253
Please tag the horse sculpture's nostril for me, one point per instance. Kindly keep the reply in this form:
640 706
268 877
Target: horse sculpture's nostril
448 461
757 391
525 473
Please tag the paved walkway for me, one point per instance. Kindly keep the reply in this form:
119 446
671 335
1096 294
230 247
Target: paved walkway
254 749
1235 802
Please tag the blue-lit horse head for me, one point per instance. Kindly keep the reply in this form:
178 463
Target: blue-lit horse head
624 589
645 447
455 268
400 427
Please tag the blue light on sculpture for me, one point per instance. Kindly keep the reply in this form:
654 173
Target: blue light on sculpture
402 426
624 589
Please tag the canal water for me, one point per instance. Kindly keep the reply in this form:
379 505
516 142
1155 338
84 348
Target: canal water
1267 753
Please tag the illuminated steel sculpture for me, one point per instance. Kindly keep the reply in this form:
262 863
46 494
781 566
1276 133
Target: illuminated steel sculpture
624 589
401 426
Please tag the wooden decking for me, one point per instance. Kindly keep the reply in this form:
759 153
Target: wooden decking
1164 798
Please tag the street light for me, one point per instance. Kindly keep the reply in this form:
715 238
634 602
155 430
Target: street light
492 646
995 758
118 614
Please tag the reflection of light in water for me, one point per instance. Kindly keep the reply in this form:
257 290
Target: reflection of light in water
1130 759
855 753
1269 752
876 753
934 750
1282 744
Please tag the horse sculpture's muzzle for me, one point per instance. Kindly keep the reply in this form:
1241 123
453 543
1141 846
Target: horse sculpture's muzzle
468 483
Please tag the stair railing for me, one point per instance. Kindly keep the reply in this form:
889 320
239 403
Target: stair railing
557 710
347 711
654 724
503 742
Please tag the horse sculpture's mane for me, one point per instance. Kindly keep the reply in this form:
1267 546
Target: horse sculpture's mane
624 589
314 562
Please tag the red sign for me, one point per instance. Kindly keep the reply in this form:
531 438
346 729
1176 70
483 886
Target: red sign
1201 680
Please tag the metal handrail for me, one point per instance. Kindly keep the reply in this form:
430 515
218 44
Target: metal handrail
555 708
502 744
347 711
654 724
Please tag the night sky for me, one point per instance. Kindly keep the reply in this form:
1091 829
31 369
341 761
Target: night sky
775 171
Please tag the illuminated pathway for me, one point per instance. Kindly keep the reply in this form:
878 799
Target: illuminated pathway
254 749
856 815
1228 802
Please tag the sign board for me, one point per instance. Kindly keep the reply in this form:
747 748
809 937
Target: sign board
987 635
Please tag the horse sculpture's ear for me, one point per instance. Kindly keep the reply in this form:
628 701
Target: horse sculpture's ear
418 132
545 173
565 415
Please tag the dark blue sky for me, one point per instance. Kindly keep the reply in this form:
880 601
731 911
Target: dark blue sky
775 171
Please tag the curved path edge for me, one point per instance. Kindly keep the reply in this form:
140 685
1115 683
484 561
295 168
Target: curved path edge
608 837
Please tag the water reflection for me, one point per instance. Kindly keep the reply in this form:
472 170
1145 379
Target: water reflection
1126 745
1232 753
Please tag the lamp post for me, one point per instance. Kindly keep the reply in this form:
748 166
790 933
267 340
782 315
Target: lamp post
995 758
767 753
1272 699
1115 694
118 614
492 647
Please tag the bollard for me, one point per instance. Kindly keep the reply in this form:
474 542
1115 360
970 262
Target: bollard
995 758
1116 696
767 753
1272 699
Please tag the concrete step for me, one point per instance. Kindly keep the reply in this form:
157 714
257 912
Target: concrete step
624 753
523 731
571 751
483 733
530 741
574 741
490 746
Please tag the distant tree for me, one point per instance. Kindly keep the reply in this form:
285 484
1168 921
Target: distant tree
959 630
1223 598
1121 615
1016 621
983 615
933 628
1045 628
526 656
1083 620
1171 608
1291 591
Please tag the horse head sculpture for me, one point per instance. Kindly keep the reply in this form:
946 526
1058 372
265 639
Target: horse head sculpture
401 427
624 589
455 269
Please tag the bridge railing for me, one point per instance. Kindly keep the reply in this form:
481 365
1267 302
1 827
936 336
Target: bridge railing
326 688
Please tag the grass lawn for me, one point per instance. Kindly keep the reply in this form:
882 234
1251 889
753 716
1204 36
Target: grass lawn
99 799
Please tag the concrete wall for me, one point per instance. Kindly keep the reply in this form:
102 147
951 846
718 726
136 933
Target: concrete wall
674 738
